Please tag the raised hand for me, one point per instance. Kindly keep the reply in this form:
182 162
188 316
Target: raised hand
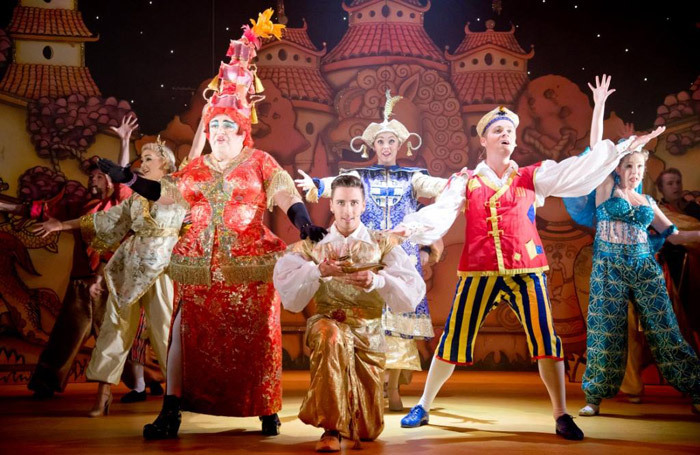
128 125
305 183
602 89
641 141
47 227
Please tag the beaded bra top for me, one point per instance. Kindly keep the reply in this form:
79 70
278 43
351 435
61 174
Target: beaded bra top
622 227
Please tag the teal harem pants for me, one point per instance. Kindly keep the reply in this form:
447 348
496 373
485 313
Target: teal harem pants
614 280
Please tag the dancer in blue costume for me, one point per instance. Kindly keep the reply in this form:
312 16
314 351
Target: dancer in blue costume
391 192
624 267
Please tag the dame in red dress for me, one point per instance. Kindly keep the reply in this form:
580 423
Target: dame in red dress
225 356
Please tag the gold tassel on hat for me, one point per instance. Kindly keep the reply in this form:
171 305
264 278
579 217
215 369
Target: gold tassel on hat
259 87
409 149
253 116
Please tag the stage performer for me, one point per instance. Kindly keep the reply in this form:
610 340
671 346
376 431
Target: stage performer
624 266
391 193
225 356
83 306
503 258
345 335
135 275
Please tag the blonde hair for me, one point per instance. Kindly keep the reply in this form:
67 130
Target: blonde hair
164 152
643 152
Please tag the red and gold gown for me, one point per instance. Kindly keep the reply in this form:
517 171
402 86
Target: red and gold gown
230 311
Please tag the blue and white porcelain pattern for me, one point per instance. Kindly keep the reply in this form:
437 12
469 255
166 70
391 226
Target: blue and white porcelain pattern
390 196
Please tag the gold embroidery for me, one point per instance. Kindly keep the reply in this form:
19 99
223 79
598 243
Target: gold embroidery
312 195
465 273
168 188
87 228
280 181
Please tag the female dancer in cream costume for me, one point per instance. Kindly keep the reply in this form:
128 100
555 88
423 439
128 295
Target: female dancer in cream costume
135 275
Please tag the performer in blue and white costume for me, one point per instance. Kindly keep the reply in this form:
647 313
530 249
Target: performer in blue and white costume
624 267
391 193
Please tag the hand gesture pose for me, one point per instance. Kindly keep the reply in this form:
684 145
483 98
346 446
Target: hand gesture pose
305 183
641 141
602 89
47 227
128 125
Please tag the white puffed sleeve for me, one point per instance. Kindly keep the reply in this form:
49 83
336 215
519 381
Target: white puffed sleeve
578 175
297 280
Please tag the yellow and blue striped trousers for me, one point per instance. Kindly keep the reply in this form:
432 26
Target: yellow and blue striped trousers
475 296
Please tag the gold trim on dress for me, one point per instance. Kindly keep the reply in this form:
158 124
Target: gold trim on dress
312 195
87 229
168 188
190 274
466 273
280 181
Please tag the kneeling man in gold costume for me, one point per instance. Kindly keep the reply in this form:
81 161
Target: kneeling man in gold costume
350 274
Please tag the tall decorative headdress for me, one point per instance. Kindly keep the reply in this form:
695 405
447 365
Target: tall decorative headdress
236 88
387 126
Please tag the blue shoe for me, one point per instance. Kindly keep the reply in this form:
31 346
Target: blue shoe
416 418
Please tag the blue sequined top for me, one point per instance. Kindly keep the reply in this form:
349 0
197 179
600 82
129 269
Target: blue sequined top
621 228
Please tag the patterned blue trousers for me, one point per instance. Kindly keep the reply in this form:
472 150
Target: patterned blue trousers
614 281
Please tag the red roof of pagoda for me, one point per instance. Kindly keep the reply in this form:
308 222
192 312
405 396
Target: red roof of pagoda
298 83
297 37
49 23
477 40
357 4
385 39
489 87
35 81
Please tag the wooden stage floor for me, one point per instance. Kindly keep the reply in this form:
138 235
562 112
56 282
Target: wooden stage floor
480 412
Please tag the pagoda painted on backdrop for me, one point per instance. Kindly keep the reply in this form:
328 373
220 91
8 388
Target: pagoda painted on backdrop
49 51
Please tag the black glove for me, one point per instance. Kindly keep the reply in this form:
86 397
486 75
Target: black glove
117 173
149 189
299 216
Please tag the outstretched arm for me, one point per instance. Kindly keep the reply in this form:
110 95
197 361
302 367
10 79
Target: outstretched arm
601 91
315 188
430 223
53 225
128 125
149 189
579 175
662 224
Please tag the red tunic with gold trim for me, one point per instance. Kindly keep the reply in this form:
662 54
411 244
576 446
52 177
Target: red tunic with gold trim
230 311
501 229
